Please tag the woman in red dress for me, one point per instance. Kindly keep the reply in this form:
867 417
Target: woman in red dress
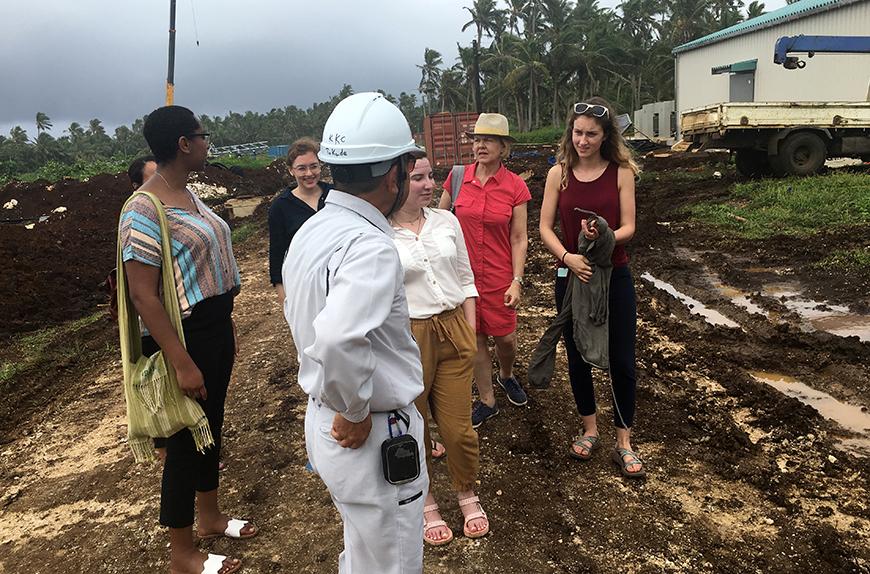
491 208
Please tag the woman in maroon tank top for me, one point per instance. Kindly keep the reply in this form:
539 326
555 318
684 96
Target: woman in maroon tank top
595 172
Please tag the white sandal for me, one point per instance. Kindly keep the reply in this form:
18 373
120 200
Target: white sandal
479 514
233 530
215 562
427 526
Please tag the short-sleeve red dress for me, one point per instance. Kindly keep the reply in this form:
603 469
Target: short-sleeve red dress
484 213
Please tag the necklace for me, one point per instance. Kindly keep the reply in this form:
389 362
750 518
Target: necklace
191 205
164 179
414 226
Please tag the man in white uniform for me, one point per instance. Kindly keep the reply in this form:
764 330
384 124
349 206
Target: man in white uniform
358 362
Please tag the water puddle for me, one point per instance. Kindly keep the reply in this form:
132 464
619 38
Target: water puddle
736 296
695 307
765 270
851 417
818 315
814 315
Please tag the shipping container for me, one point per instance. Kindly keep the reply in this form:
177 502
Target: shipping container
446 142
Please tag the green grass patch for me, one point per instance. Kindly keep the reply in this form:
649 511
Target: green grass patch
795 206
846 260
244 161
37 349
546 135
8 371
241 233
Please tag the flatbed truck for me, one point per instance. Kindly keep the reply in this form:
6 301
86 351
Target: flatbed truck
783 138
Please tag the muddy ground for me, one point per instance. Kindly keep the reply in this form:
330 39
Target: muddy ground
742 478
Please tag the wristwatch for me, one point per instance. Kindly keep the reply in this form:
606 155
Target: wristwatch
519 280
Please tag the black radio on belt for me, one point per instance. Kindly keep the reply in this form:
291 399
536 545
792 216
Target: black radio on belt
399 454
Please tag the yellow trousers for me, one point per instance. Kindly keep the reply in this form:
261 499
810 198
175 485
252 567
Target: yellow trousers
447 347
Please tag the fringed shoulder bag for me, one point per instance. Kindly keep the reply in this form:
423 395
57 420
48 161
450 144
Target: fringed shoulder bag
156 407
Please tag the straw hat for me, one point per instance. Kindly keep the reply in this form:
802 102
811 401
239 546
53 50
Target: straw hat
491 125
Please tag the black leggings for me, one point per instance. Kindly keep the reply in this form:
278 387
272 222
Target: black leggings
208 334
622 325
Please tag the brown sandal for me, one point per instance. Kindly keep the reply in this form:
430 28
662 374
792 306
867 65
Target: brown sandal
588 443
619 460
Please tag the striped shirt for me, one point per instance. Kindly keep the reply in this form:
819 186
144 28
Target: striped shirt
202 250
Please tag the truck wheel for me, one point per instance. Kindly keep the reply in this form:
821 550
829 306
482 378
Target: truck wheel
801 153
752 163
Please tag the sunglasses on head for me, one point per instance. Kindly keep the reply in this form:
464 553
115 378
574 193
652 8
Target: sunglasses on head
582 108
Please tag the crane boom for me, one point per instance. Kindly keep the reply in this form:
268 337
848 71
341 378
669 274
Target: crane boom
814 45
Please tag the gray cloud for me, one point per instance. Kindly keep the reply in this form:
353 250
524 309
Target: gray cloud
82 59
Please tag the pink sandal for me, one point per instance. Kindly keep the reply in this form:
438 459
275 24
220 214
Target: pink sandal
427 526
479 514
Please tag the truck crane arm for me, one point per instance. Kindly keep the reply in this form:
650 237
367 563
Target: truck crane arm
814 45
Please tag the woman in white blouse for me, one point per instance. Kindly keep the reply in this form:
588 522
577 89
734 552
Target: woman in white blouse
441 297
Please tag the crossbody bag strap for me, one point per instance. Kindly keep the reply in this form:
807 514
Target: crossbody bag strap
128 318
170 293
457 174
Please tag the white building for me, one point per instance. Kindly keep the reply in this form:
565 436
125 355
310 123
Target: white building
657 121
736 64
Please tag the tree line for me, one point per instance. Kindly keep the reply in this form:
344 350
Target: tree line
529 59
20 154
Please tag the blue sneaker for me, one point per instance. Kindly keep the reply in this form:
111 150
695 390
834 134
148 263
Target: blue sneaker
515 392
480 412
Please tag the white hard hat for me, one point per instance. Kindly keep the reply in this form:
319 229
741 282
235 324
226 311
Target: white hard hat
366 128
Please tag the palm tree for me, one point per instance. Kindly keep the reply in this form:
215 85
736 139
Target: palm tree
46 148
531 17
726 12
43 123
18 135
95 128
638 20
514 12
430 78
451 89
562 36
483 16
123 138
755 9
76 137
689 20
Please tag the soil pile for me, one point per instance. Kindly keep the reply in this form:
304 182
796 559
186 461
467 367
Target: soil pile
55 267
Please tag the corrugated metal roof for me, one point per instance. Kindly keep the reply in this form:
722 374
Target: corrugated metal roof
799 9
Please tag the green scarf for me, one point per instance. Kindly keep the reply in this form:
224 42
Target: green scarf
156 407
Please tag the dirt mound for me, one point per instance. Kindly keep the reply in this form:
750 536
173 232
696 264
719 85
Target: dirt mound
55 267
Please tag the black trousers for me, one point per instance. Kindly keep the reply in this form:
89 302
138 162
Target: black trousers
208 334
622 324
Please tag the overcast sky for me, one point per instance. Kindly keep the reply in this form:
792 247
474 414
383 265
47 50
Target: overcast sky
82 59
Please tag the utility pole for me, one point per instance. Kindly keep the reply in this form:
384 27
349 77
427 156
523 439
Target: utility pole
170 76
